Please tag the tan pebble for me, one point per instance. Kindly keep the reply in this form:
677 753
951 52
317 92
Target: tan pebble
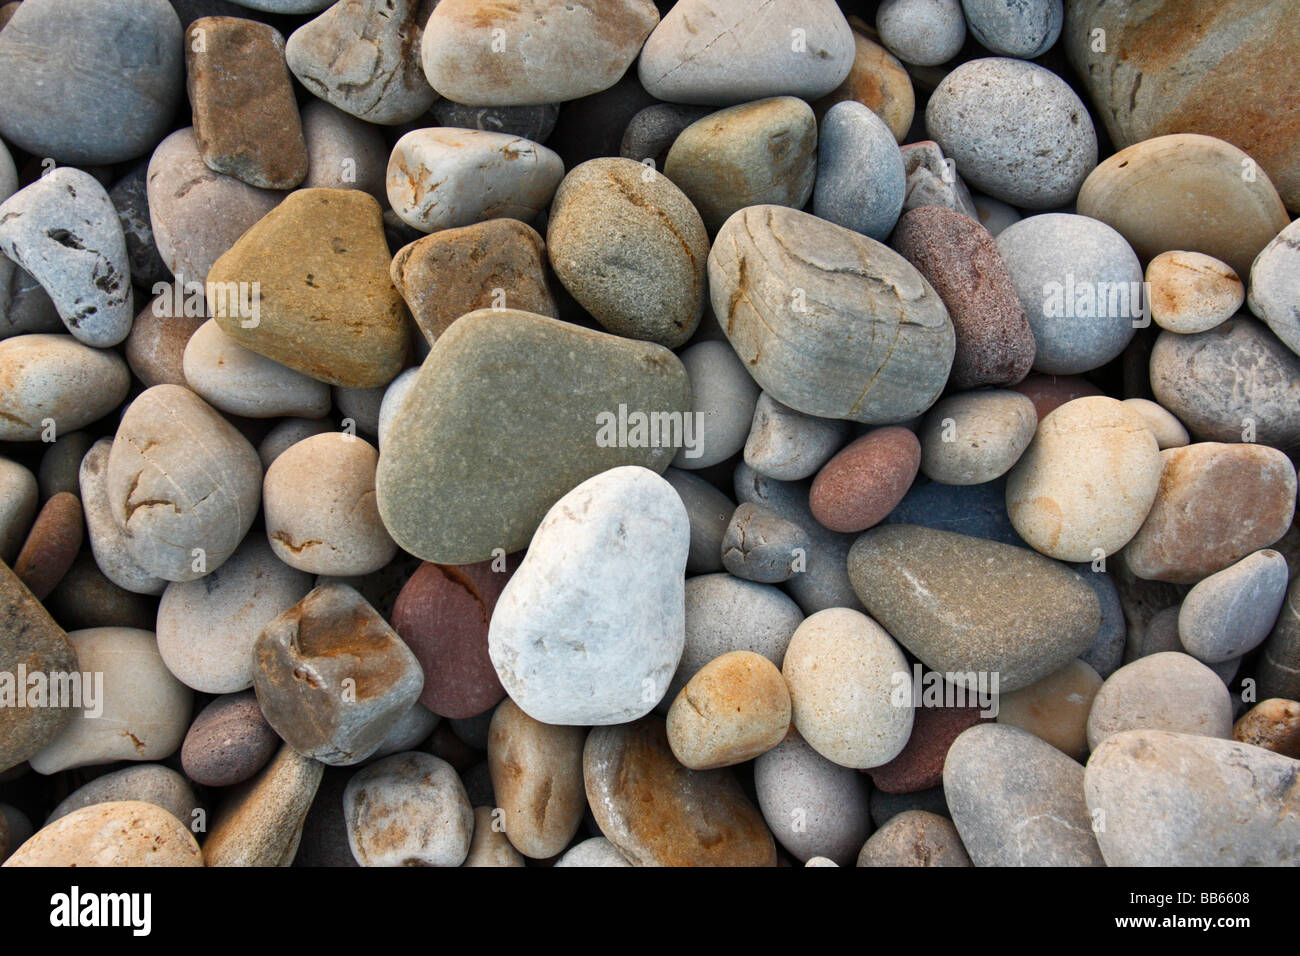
1192 292
1273 724
1055 709
122 833
736 707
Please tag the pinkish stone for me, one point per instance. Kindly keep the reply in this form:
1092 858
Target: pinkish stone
866 480
920 765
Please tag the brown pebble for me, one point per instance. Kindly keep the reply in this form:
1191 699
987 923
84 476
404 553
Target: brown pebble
915 838
51 545
920 764
1050 392
1273 724
228 742
156 346
866 480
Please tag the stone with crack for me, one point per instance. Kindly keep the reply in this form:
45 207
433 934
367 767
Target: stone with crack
760 545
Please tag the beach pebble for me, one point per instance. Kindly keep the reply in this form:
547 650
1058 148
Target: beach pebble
1191 292
411 730
408 810
392 402
1273 724
19 496
115 834
865 480
1169 431
1015 27
723 397
1232 611
921 32
489 845
709 512
261 822
229 742
975 437
343 152
24 305
735 707
760 545
936 723
1273 286
1055 709
146 783
650 134
238 381
596 851
51 545
932 180
155 347
287 433
107 541
59 468
130 196
915 838
1163 691
861 182
53 384
789 445
878 80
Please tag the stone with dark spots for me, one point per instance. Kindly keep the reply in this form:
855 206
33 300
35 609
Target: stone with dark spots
228 742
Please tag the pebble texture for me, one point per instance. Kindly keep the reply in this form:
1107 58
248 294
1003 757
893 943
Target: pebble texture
147 783
408 810
1273 291
261 822
1232 611
915 838
1163 691
228 742
54 378
117 834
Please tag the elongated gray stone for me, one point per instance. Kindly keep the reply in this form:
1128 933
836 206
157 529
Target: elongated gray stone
1233 610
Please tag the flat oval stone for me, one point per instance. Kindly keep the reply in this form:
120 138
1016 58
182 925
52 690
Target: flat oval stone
789 445
1025 30
760 545
1206 802
1163 691
1191 292
1273 724
116 834
734 708
801 301
261 822
238 381
964 605
553 388
915 838
729 51
1273 288
229 742
861 182
594 852
709 512
51 545
1016 130
1186 191
722 398
1055 709
878 80
146 783
975 437
630 247
1086 482
537 779
919 765
658 813
408 810
865 480
1232 611
1169 431
54 378
1018 801
921 32
612 662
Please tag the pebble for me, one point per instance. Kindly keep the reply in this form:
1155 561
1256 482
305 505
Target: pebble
146 783
411 730
19 496
155 347
878 80
730 51
915 838
961 260
964 604
658 813
735 707
861 182
630 247
408 810
1086 482
60 466
489 846
612 662
1018 801
1186 192
566 51
710 514
1273 724
1169 431
261 823
1191 292
812 806
288 433
760 545
343 152
975 437
1236 382
115 834
868 340
993 214
1055 709
976 510
932 180
141 711
537 779
594 852
229 742
1273 291
865 480
1205 802
919 765
1232 611
748 155
651 133
324 303
1016 130
24 305
238 381
1194 528
499 263
921 32
529 122
723 398
789 445
444 177
119 100
51 545
1163 691
246 117
551 384
360 408
1011 28
1050 392
107 541
1080 284
53 384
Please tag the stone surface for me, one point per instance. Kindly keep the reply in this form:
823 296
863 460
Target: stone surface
261 822
865 480
1278 665
19 496
51 545
155 347
146 783
1050 392
1232 611
1020 29
117 834
490 846
976 437
650 134
878 80
735 707
919 765
1273 724
1169 431
932 180
594 852
228 742
789 445
861 182
1273 290
723 397
343 152
915 838
107 541
408 810
54 378
921 32
709 512
760 545
238 381
1163 691
1055 709
1191 292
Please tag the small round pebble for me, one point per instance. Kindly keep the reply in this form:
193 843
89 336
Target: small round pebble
229 742
921 32
915 838
1165 691
408 810
736 707
863 482
975 437
1192 292
1056 708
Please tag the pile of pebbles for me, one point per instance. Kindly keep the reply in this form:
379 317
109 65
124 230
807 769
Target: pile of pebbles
616 432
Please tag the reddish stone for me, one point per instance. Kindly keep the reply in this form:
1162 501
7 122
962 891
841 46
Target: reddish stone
920 765
51 545
866 480
1050 392
443 614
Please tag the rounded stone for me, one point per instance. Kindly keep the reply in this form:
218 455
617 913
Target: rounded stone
146 783
19 497
866 480
594 852
921 32
1169 431
919 765
238 381
411 730
1163 691
55 378
261 822
975 437
155 349
1273 286
408 810
709 512
723 397
1232 611
789 445
229 742
1273 724
107 541
489 846
1014 27
51 545
117 834
915 838
861 182
878 80
760 545
343 152
734 708
1191 292
59 468
1055 709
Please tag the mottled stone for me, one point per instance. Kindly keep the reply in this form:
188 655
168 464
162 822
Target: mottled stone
1273 724
915 838
976 437
228 742
710 514
51 545
1273 287
490 846
1163 691
1191 292
117 834
877 80
261 822
921 32
932 180
146 783
1232 611
864 481
408 810
54 378
343 152
760 545
861 181
594 852
735 707
919 765
1169 431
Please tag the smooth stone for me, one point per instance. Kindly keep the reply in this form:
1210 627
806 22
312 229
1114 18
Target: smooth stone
630 247
814 807
932 180
288 433
1050 392
489 846
51 545
863 483
723 397
735 707
142 712
1194 528
919 765
965 605
261 822
1274 292
759 545
529 122
147 783
116 834
789 445
1205 802
246 116
327 308
442 614
1236 382
961 260
198 214
976 437
55 382
537 779
118 101
229 742
861 182
1016 130
613 662
976 510
651 133
710 514
1018 801
444 177
1015 28
1232 611
550 386
24 305
993 214
1080 284
59 468
1163 691
877 80
594 852
35 642
915 838
1273 724
1106 652
1086 482
107 541
363 678
359 408
238 381
19 497
394 395
411 730
1191 292
499 263
868 339
343 152
155 347
921 32
1186 192
748 155
362 56
1055 709
731 51
409 809
182 483
1169 431
658 813
840 667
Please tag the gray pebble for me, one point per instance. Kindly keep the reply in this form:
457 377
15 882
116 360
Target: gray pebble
1106 652
130 196
1232 611
886 806
789 445
1019 28
19 497
709 512
760 545
932 180
722 400
921 32
651 132
343 152
861 181
915 838
148 783
61 465
1165 691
